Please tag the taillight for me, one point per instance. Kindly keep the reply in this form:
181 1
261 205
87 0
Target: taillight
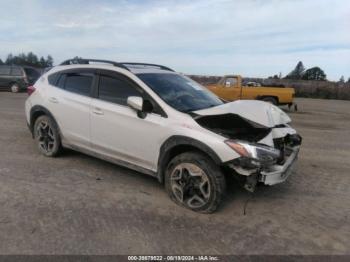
30 90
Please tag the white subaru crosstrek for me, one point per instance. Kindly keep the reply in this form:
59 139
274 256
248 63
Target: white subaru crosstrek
151 119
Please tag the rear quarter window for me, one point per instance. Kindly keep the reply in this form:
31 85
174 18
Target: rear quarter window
52 79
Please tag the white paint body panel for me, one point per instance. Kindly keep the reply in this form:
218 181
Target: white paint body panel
117 131
72 113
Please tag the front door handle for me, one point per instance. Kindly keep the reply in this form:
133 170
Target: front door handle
97 111
53 100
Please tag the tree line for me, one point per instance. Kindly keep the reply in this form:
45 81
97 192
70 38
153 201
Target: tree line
298 73
301 73
29 59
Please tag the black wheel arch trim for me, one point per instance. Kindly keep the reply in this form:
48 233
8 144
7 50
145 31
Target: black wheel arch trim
36 109
176 140
261 97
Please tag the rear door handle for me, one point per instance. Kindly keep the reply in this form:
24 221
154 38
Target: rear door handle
53 100
97 111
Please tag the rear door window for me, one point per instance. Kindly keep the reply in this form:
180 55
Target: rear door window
16 71
5 70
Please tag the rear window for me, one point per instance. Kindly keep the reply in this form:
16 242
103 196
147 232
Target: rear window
16 71
5 70
32 73
79 83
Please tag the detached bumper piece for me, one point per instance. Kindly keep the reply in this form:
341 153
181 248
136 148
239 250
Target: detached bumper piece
279 173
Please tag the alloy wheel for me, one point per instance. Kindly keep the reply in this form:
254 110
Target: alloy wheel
190 185
45 136
14 88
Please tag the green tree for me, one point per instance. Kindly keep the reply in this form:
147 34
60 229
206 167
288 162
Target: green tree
1 62
297 72
49 61
9 59
342 80
29 59
32 59
42 62
314 73
20 59
279 76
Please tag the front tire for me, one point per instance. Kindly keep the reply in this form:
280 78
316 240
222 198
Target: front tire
46 135
270 100
194 181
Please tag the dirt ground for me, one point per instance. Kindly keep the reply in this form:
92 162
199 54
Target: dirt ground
76 204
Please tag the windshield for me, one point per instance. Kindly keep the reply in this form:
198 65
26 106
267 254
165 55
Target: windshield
180 92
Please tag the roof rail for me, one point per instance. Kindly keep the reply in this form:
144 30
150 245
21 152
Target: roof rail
87 61
145 64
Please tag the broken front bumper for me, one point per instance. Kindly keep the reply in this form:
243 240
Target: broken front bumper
279 173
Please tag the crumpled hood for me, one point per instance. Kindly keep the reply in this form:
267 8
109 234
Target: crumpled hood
259 112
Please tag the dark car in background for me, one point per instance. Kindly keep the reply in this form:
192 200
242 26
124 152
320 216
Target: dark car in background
17 78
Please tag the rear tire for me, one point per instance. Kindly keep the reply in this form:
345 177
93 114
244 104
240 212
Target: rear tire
270 99
194 181
14 88
47 136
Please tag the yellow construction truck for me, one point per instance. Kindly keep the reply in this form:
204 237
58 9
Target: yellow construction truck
230 88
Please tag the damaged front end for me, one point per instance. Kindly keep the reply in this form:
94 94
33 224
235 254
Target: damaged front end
265 164
267 146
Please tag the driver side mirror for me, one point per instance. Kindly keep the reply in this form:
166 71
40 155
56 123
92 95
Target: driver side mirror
135 102
142 107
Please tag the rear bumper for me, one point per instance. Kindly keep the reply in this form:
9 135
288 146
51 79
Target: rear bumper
23 88
279 173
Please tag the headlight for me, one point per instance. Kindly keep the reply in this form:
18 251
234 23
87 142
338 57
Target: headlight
254 154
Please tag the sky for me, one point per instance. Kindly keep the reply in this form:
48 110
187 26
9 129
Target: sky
256 38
